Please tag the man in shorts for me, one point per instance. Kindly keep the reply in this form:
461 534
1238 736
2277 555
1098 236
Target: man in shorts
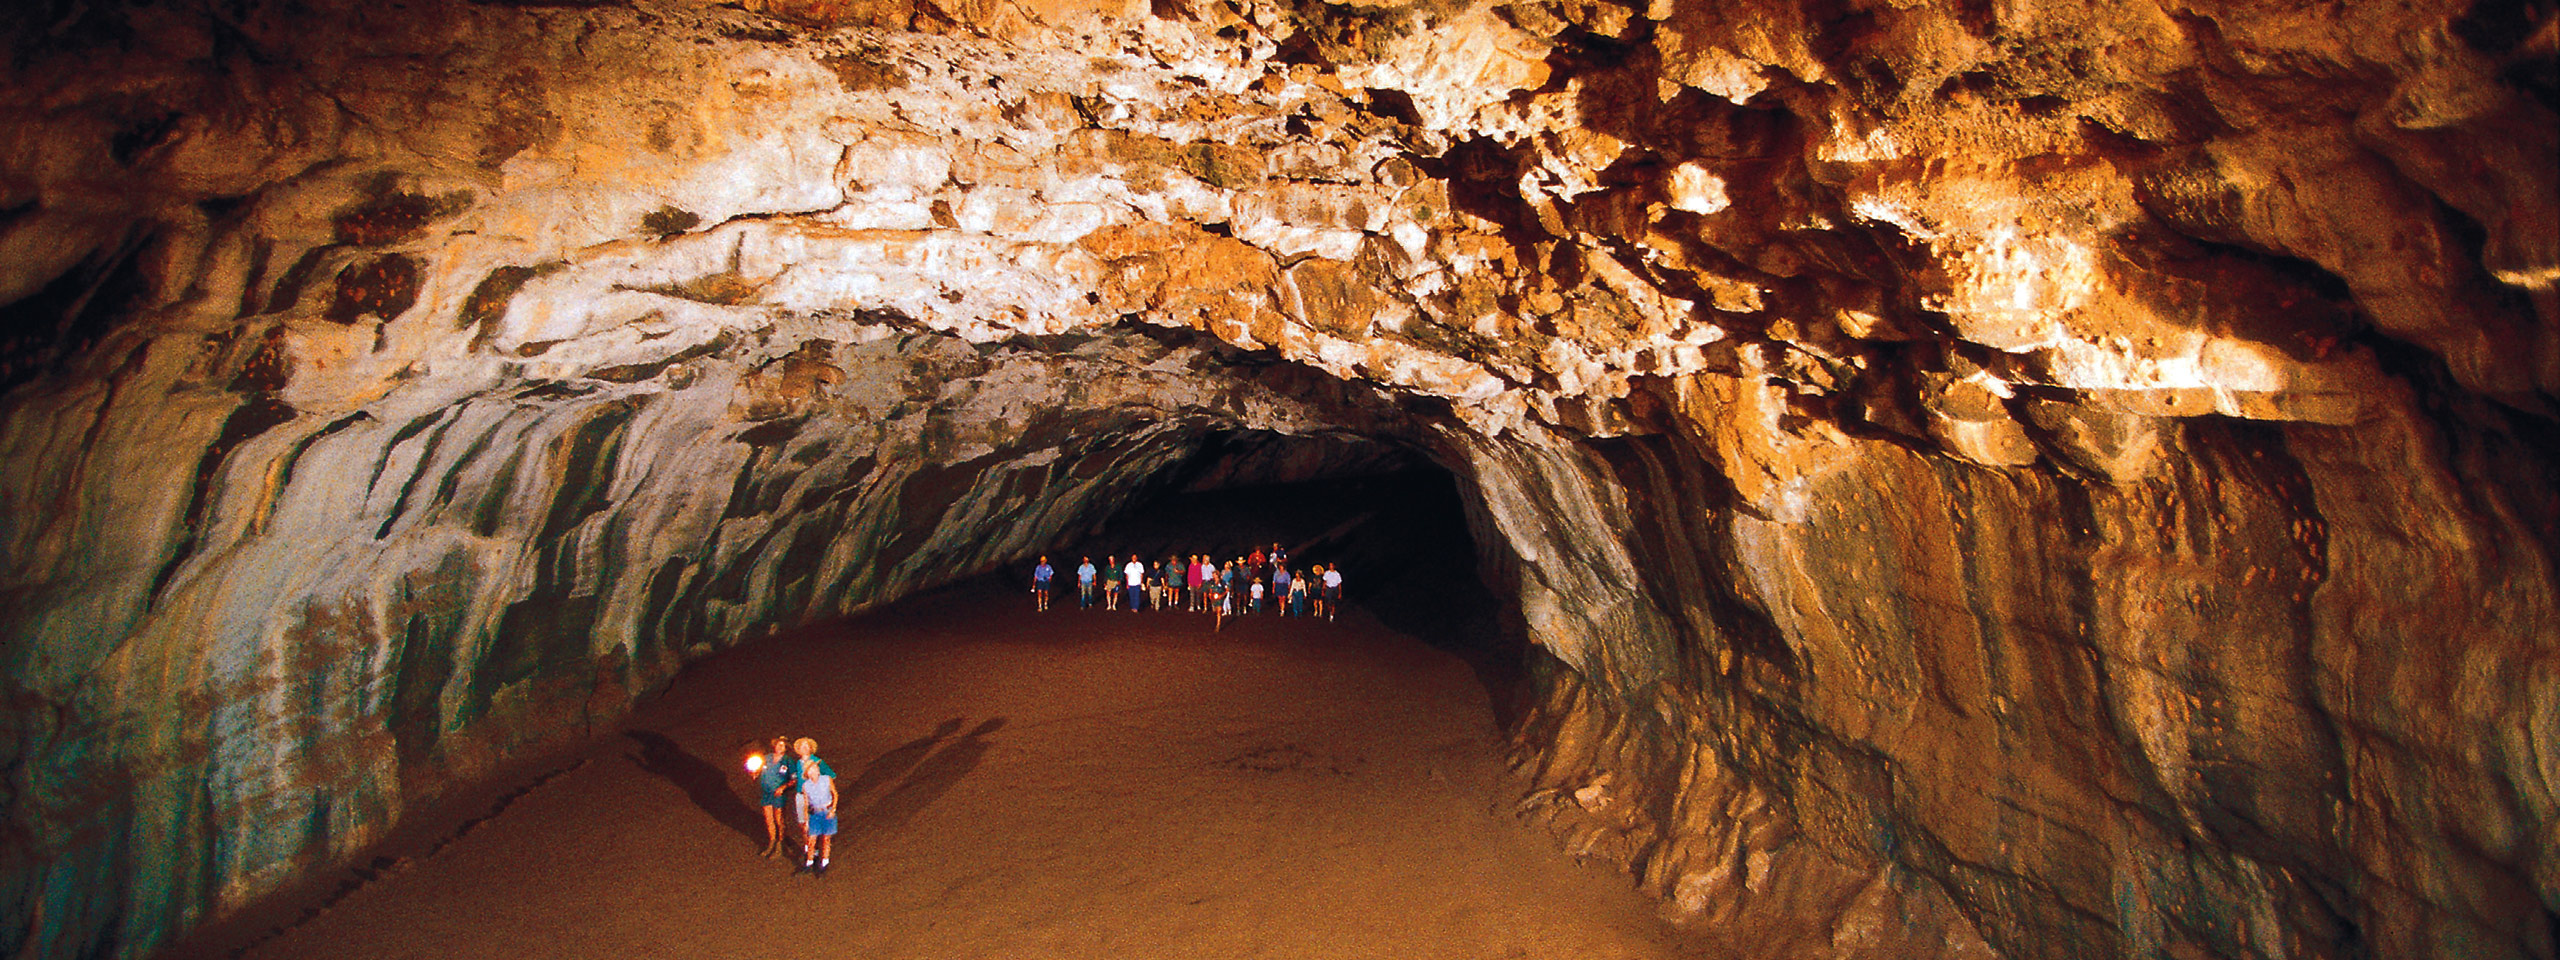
1040 584
818 788
1332 591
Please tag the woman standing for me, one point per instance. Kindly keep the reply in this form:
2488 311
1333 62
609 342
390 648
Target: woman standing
775 784
1214 594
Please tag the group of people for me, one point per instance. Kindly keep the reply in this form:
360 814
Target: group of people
795 778
1257 582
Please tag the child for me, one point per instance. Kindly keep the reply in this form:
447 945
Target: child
820 790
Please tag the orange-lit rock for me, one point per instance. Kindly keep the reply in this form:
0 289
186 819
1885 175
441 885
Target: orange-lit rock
1980 480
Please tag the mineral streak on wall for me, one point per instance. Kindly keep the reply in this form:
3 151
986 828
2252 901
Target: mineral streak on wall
1982 479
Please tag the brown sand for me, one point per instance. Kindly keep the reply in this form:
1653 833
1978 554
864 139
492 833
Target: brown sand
1074 785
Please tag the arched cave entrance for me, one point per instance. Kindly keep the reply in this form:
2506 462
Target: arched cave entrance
2069 481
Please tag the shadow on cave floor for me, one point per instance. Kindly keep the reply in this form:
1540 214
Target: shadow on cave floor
703 782
1067 785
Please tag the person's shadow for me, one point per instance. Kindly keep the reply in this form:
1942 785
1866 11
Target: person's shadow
706 783
889 766
929 773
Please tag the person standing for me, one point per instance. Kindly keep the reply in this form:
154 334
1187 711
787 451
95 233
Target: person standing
1280 580
1111 573
776 782
1136 572
1084 585
1332 591
1256 605
818 787
1040 576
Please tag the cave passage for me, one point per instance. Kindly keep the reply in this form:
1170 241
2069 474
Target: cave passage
1068 785
1886 480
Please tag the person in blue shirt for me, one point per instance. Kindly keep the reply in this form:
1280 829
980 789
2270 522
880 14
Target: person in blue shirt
1280 586
1084 585
1040 583
818 789
775 785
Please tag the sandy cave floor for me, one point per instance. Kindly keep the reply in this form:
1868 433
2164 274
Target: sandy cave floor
1069 785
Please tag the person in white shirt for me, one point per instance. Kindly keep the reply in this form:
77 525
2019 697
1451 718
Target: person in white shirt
1135 575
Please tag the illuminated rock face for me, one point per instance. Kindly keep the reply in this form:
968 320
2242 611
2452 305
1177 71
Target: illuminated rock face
2068 482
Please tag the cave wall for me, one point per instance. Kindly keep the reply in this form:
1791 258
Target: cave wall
1980 479
2220 711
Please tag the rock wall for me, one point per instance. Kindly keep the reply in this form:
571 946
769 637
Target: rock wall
1981 480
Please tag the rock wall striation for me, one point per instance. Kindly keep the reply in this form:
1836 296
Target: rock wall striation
1979 479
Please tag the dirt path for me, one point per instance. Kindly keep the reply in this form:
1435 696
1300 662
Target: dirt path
1074 785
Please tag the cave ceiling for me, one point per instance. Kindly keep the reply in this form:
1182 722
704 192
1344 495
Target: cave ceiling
1976 478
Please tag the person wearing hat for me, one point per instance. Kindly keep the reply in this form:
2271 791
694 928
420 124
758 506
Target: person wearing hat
776 783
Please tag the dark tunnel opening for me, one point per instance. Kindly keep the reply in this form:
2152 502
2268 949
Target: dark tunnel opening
1392 520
